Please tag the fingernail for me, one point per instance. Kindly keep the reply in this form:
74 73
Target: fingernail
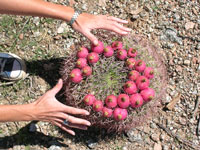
88 124
129 29
73 133
95 42
87 113
59 81
124 32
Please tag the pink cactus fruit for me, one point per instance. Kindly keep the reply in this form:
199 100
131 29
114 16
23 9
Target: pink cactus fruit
147 94
89 99
82 52
140 65
87 71
132 52
120 114
76 75
93 57
98 48
130 62
148 72
81 63
117 45
136 100
123 100
108 51
107 112
111 101
121 54
133 75
130 87
98 105
142 82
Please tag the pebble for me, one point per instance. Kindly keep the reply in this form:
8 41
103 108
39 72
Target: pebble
165 147
162 137
198 69
153 125
176 16
36 34
36 21
198 46
124 148
186 62
32 127
157 146
155 137
54 147
189 25
92 144
133 136
171 35
63 28
21 36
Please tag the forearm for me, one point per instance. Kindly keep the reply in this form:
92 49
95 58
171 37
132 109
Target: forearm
36 8
9 113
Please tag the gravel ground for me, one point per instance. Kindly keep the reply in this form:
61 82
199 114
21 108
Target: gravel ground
174 26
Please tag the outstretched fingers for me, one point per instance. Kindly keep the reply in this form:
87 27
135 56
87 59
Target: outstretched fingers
71 125
63 127
75 111
71 119
117 19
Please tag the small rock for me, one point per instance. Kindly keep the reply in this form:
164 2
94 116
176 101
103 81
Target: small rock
60 30
186 62
36 21
155 137
91 144
176 16
171 35
124 148
157 146
84 6
198 69
63 28
198 46
133 136
153 125
36 34
168 98
32 127
21 36
198 21
162 137
189 25
165 147
54 147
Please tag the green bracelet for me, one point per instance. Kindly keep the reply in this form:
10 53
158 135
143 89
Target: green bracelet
75 16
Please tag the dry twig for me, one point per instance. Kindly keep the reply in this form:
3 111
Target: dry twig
196 105
198 127
171 105
181 140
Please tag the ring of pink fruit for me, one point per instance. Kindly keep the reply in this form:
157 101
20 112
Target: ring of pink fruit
136 89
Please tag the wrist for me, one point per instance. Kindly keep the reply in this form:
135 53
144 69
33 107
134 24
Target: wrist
75 16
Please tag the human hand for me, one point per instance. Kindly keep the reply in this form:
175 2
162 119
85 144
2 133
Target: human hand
87 22
48 108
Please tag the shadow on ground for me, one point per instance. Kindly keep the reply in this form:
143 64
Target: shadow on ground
26 138
48 69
